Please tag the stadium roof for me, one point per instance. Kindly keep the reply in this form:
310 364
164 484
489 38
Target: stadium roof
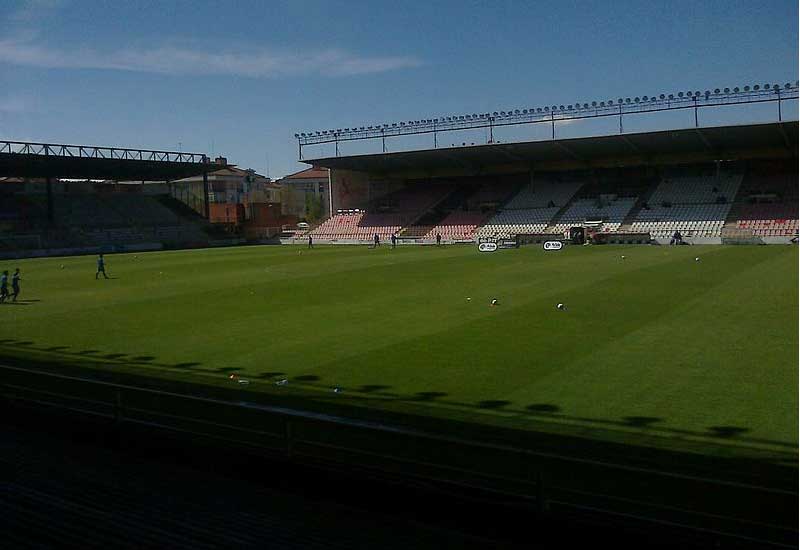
686 145
41 160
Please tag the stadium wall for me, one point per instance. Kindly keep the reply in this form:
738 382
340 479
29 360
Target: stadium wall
349 189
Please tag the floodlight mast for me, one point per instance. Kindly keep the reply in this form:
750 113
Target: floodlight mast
574 111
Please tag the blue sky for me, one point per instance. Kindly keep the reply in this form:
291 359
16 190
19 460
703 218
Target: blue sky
240 78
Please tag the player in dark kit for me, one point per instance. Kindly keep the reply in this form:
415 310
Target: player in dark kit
394 240
101 267
15 279
310 242
438 239
377 240
3 286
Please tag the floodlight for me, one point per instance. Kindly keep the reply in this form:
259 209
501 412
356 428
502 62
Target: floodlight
766 86
569 107
636 99
561 107
627 100
661 96
538 109
602 103
776 87
620 101
594 104
756 87
516 112
670 96
747 88
502 113
297 135
680 94
644 98
727 90
788 86
494 113
547 109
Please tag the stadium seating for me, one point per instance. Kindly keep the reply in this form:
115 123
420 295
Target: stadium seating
696 205
491 194
93 219
530 210
768 205
692 220
608 211
388 216
457 226
696 189
358 226
542 194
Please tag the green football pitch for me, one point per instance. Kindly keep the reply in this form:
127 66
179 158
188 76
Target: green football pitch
655 345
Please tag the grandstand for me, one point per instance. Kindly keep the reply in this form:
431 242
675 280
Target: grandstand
88 209
767 203
104 219
604 184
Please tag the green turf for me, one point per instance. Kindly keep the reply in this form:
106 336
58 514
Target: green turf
655 345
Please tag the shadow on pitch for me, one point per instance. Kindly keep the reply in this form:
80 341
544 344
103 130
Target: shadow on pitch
641 421
542 408
493 404
87 357
307 378
727 432
428 395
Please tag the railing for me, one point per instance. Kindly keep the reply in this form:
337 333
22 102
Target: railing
93 152
551 115
552 482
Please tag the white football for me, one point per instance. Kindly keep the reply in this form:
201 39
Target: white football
560 306
697 259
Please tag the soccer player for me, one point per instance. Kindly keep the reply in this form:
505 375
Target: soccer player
377 240
15 285
310 242
3 286
101 267
394 240
438 239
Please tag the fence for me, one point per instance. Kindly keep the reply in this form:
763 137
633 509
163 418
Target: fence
553 483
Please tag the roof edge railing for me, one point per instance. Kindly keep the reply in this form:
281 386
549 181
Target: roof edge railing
558 113
98 152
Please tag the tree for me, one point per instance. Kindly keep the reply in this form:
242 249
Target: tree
313 207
